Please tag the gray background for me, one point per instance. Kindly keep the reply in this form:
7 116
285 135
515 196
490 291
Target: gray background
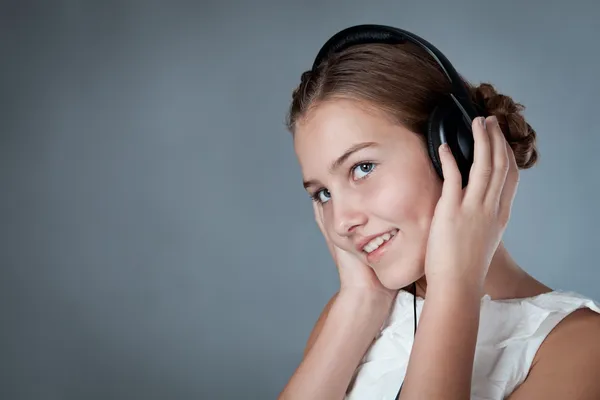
156 240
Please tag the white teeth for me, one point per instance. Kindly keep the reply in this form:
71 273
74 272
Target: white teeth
378 241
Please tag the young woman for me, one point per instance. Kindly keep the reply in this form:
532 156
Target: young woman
485 329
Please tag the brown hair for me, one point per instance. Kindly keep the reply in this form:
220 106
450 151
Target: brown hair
403 81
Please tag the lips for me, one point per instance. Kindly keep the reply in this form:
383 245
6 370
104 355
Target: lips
372 243
376 255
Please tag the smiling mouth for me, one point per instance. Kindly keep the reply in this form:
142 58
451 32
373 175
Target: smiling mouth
379 241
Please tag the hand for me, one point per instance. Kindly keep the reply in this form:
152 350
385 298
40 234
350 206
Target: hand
354 274
468 224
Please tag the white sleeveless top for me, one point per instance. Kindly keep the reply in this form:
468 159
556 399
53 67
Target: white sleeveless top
510 333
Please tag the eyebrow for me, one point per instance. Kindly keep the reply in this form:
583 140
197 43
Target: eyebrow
341 159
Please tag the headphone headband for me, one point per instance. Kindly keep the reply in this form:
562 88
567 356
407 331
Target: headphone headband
364 34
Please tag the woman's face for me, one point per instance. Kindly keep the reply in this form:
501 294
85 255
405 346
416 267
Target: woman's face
371 177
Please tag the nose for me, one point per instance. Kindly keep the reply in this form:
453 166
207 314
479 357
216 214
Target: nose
347 216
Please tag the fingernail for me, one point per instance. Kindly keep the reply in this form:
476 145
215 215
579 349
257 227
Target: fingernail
482 121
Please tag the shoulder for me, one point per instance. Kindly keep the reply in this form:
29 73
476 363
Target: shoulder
566 365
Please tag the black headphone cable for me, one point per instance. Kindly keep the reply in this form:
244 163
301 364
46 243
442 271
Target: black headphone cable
414 293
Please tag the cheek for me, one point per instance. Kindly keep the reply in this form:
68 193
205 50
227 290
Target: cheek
406 199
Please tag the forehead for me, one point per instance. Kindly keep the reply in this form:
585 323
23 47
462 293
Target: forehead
332 127
339 121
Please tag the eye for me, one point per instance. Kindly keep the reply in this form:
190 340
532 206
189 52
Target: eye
362 170
322 196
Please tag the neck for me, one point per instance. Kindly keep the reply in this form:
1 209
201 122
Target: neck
504 280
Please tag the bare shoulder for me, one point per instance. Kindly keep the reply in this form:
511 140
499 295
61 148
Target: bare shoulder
567 363
579 327
578 335
314 334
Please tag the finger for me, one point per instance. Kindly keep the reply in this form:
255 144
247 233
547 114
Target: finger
319 219
499 163
452 186
318 216
479 175
510 186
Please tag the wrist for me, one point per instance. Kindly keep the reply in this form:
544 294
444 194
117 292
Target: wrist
370 297
457 281
366 305
452 290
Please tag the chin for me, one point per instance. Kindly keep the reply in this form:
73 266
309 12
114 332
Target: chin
399 275
395 279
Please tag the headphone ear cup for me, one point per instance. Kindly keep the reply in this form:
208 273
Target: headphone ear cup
446 125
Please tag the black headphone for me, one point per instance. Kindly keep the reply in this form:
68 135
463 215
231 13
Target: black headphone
449 122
